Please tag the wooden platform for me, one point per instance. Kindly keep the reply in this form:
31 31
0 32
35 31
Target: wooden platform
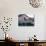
8 42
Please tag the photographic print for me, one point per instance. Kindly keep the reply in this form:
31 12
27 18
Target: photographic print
25 20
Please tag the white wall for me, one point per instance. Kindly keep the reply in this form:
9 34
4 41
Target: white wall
45 28
12 8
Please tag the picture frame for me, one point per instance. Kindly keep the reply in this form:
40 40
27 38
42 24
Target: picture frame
25 20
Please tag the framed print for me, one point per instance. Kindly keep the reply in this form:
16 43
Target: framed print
25 20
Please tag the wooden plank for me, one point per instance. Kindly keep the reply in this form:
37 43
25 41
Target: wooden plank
25 44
